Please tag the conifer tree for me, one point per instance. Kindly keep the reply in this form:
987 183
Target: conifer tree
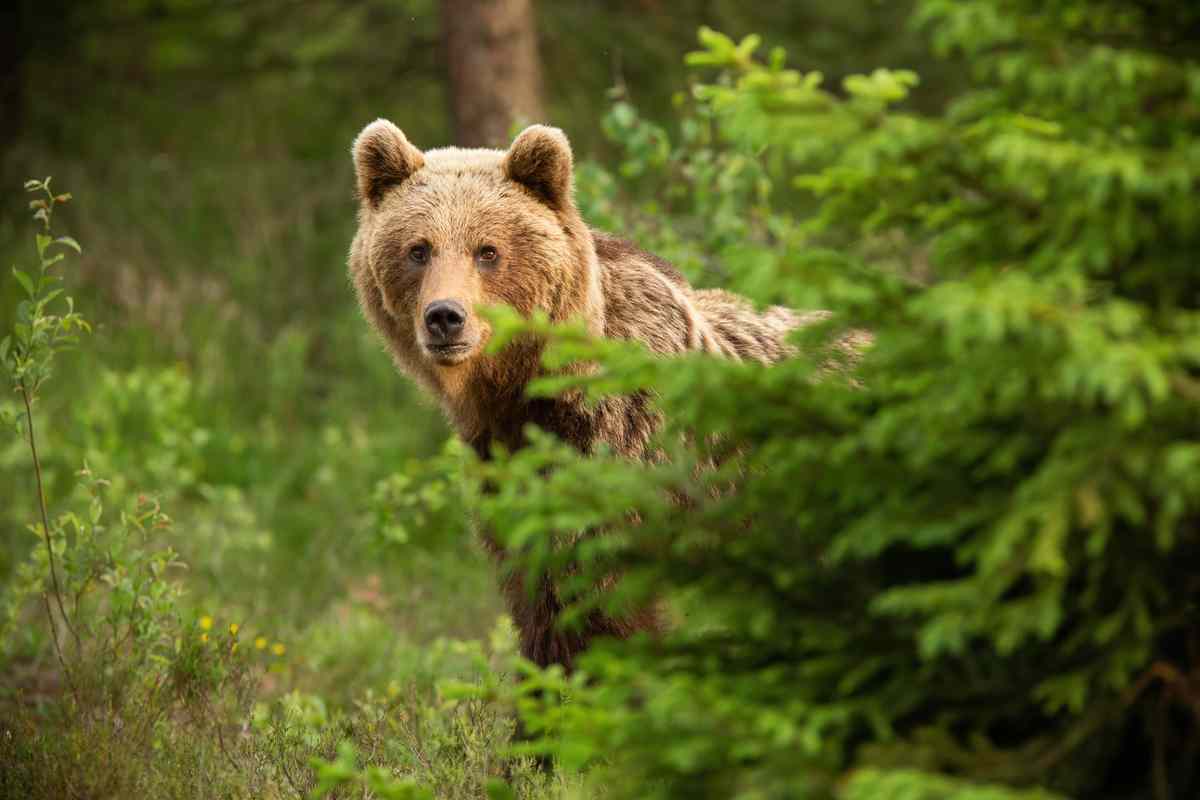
968 565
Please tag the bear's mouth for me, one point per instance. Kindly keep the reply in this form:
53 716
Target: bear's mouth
450 353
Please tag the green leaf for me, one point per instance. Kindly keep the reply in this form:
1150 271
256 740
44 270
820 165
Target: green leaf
460 690
25 281
70 242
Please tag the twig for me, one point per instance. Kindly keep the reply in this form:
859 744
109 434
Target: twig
287 773
1160 670
1158 768
41 494
58 651
221 741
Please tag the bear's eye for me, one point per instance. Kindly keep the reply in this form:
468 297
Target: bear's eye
418 253
488 254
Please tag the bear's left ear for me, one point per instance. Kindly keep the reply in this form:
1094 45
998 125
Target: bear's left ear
540 159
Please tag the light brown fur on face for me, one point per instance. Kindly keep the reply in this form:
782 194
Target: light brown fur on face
456 207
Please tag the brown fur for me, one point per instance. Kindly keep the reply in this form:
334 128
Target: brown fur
456 203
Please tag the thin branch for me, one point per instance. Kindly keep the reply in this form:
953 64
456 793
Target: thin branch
1159 670
221 743
287 774
62 662
41 494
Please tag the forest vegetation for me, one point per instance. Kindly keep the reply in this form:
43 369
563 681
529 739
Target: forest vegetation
239 553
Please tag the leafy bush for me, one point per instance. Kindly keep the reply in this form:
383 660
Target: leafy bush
127 658
969 566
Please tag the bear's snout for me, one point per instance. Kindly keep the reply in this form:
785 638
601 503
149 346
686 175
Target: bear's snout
446 331
444 319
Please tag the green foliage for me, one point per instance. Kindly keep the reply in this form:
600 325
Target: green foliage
901 784
344 771
38 332
971 558
151 696
956 565
123 652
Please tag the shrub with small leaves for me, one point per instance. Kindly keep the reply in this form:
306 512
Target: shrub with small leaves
967 568
125 660
344 771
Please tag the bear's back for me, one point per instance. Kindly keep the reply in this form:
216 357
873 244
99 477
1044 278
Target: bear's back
610 248
648 300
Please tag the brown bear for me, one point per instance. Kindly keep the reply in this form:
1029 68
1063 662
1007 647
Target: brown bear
446 231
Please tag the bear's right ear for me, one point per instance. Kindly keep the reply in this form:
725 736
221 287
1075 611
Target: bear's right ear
383 158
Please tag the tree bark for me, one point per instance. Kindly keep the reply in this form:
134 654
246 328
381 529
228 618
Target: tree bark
493 70
14 47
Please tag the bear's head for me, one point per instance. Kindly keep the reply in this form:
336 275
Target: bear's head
444 232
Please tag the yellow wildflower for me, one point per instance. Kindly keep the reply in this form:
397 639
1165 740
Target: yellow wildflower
278 648
206 622
204 637
393 689
233 628
260 643
233 649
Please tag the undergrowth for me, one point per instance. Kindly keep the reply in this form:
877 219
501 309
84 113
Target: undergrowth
120 685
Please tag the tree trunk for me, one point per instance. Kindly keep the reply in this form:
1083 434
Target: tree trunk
14 46
493 68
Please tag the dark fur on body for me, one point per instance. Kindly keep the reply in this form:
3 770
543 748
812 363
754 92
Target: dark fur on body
459 204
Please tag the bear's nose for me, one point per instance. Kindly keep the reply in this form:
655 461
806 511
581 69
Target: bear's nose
444 319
